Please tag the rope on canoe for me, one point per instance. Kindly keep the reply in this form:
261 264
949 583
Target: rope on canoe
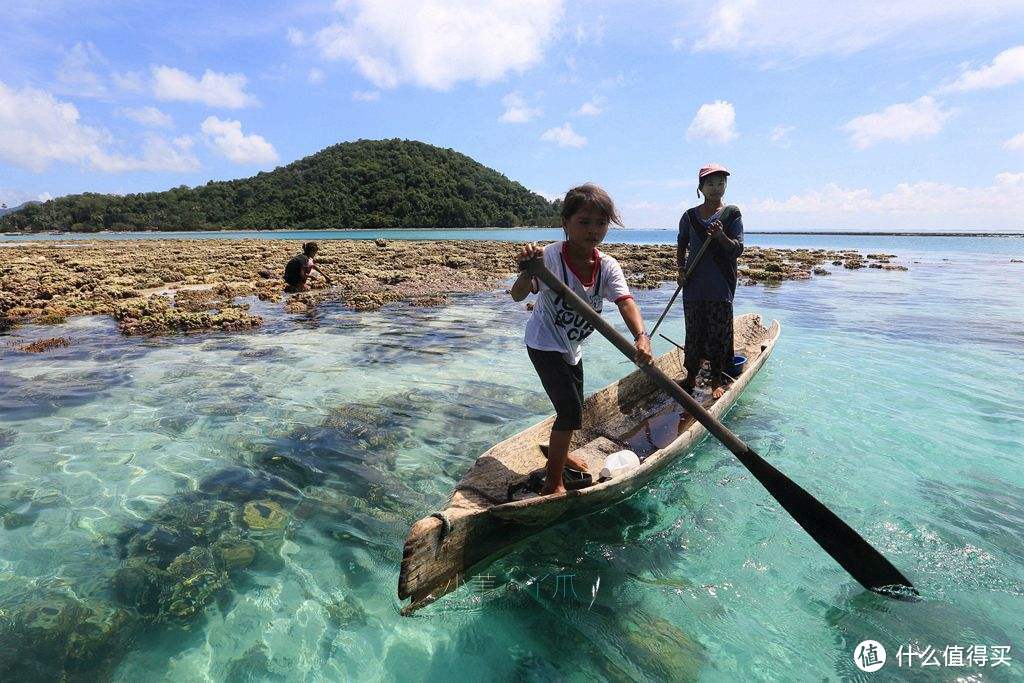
446 524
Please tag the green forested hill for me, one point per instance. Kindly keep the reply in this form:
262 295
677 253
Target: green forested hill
363 184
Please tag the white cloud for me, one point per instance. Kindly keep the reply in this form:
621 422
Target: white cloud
12 197
366 95
1006 69
909 206
147 116
564 136
227 138
616 81
811 28
435 44
591 108
77 72
780 135
714 122
591 32
923 117
213 89
36 130
158 155
516 110
315 76
296 37
726 24
1015 143
130 81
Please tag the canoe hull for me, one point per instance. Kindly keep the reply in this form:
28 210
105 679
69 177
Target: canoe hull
475 528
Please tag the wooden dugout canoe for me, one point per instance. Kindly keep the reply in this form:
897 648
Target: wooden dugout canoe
478 523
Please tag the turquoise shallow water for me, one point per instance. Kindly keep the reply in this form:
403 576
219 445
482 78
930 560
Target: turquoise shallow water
894 397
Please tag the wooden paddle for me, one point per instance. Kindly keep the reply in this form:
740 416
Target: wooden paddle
689 272
835 536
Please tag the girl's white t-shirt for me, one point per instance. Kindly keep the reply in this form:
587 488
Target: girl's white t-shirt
555 325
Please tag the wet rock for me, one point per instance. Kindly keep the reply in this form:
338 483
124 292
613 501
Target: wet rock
140 584
262 515
45 345
254 665
60 637
233 552
16 520
95 278
344 612
194 579
662 650
821 271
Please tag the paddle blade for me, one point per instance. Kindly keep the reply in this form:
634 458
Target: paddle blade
854 554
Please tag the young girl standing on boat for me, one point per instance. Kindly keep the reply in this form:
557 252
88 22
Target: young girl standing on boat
555 331
708 293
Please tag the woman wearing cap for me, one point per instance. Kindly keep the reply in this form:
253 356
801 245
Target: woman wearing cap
708 293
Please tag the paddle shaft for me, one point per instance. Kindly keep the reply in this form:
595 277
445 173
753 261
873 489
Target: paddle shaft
836 537
689 272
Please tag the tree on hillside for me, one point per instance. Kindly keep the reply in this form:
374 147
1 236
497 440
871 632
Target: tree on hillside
363 184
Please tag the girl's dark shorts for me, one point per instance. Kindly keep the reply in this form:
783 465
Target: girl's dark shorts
564 386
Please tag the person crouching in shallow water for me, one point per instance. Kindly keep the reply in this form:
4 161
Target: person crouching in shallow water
708 294
298 269
555 331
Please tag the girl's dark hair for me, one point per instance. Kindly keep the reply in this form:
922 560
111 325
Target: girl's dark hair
592 197
310 248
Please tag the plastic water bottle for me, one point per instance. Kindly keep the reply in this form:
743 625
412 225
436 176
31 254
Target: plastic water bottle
618 463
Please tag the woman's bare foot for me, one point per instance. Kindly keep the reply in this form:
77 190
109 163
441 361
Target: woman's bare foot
718 392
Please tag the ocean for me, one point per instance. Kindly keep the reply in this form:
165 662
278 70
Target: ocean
894 397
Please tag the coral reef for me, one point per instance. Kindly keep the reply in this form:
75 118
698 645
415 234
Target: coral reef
167 286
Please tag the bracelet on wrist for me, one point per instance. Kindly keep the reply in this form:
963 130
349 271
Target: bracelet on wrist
636 337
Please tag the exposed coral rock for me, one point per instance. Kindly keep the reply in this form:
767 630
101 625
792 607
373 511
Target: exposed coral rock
171 286
45 344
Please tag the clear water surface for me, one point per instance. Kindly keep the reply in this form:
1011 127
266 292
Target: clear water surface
894 397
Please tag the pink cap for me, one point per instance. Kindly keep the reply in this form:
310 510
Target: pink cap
709 169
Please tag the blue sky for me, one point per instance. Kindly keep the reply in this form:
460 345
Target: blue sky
898 115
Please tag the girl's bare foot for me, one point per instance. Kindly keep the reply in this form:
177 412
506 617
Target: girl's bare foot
718 393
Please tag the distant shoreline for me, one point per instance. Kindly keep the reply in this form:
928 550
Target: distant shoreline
271 231
886 234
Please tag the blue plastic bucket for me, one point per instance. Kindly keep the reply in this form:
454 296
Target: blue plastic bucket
737 366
